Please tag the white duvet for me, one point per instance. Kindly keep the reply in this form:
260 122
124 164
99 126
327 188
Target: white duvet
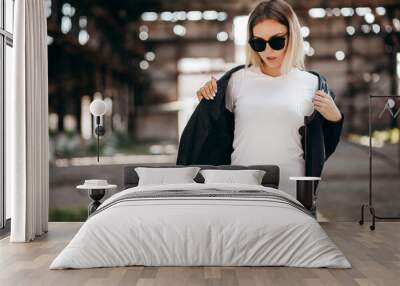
200 231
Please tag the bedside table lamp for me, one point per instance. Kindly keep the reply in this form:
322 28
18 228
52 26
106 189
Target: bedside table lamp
98 109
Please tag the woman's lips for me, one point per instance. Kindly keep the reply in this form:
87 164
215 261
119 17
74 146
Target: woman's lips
271 58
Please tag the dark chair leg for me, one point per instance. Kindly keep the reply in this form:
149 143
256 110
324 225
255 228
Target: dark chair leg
372 227
361 222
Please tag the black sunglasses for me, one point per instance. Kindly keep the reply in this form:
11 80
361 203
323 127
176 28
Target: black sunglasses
275 42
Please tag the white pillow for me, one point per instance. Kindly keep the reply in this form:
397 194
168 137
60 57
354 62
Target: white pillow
250 177
161 176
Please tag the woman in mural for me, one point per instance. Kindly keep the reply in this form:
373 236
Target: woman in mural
254 114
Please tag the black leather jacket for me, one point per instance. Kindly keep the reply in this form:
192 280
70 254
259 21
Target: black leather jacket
208 136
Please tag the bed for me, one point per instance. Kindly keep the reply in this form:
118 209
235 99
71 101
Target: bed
199 224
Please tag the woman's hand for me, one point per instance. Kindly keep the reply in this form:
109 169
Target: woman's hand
325 105
208 90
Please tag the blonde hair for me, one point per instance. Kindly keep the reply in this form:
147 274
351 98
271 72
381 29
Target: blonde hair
282 12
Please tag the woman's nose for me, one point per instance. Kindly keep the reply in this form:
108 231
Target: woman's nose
268 52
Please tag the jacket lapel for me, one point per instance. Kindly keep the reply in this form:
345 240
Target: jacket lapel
217 105
322 85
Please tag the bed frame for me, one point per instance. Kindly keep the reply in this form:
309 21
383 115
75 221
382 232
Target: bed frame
270 179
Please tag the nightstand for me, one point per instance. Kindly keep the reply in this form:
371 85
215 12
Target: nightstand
306 192
96 190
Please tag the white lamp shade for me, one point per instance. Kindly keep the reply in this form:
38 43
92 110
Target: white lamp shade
98 107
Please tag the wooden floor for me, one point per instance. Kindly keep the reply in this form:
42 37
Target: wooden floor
375 257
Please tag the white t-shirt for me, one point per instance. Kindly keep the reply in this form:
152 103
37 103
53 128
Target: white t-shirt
268 114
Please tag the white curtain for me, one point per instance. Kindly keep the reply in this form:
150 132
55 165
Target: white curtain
27 124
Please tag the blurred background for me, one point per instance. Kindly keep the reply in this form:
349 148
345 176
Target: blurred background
147 58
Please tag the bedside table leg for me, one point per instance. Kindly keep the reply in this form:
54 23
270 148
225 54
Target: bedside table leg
96 195
307 195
